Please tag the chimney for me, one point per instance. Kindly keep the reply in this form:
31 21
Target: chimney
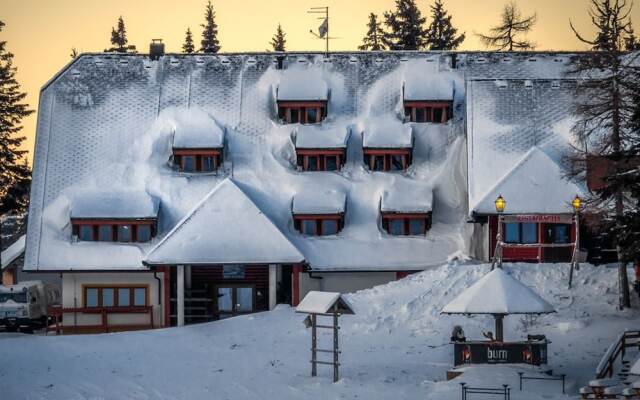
156 49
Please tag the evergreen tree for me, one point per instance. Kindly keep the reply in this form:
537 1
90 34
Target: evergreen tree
605 107
15 176
405 25
74 52
505 35
631 41
278 42
209 42
119 37
373 40
188 46
441 33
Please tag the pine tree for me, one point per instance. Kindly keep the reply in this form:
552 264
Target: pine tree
74 52
405 25
14 172
505 35
119 37
373 40
209 42
278 42
188 46
604 105
631 41
441 33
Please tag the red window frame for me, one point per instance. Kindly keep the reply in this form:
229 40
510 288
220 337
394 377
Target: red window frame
95 226
429 107
370 154
318 219
322 154
406 218
116 295
199 154
285 107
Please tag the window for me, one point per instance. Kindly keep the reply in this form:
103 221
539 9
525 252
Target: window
208 164
115 296
310 112
557 233
387 159
114 231
188 163
197 160
318 225
521 232
437 112
320 160
405 224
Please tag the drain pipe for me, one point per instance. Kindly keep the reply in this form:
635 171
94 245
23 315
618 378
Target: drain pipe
155 275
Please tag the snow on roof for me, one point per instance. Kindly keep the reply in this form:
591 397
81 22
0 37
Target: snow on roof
387 133
534 185
194 129
300 84
432 86
407 197
11 253
314 137
123 204
319 202
226 227
498 293
321 302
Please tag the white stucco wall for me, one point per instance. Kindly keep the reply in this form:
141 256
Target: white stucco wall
73 293
343 282
480 242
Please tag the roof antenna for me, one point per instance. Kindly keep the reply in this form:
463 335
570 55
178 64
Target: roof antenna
323 29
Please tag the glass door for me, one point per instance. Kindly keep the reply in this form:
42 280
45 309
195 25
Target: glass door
235 300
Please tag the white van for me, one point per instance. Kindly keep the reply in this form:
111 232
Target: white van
24 306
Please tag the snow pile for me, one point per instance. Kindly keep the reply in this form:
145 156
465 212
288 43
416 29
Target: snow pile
387 133
314 137
320 302
313 201
395 346
194 129
429 87
302 84
125 204
407 197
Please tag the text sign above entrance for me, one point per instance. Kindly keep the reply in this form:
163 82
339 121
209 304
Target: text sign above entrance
543 218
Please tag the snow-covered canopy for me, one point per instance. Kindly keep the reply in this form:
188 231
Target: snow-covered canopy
321 302
387 133
535 185
118 204
226 227
11 253
301 84
194 129
498 293
407 197
313 137
429 87
313 201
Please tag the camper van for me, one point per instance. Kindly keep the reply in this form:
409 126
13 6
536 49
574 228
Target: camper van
24 306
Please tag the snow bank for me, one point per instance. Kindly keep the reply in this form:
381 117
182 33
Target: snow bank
194 129
387 133
313 137
407 197
123 204
313 201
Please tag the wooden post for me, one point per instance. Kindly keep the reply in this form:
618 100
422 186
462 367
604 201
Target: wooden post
180 295
576 246
273 277
314 368
336 349
499 327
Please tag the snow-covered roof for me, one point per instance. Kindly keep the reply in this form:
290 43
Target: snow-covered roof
313 201
122 204
194 129
226 227
432 87
11 253
321 302
387 133
314 137
407 197
535 185
300 84
498 293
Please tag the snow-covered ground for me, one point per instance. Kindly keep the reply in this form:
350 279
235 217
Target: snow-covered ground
395 347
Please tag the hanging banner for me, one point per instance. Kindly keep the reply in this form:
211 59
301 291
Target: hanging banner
540 218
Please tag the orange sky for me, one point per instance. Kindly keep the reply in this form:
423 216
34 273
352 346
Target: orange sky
41 33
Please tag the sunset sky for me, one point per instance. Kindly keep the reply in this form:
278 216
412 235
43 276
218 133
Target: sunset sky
41 33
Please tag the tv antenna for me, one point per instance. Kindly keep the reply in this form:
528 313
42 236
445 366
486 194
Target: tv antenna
323 29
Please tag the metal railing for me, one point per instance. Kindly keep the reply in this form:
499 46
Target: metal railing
505 391
618 348
541 378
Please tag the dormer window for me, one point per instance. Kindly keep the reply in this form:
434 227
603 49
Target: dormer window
320 149
124 217
198 143
319 214
302 99
387 146
406 209
429 98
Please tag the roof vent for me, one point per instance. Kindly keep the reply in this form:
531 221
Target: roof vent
156 49
555 85
528 84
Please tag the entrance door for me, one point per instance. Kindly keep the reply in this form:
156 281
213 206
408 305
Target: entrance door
557 233
235 300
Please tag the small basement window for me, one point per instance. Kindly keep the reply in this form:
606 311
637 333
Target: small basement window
436 112
318 225
122 231
387 159
320 160
310 112
197 160
406 224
